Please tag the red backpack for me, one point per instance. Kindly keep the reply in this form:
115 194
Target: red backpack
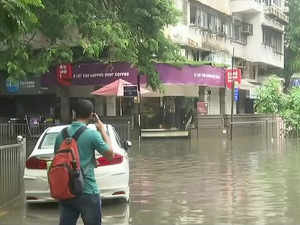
65 176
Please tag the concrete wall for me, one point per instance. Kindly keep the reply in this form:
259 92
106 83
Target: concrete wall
221 5
194 37
255 42
213 102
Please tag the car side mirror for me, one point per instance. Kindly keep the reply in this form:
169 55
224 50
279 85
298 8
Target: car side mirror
127 145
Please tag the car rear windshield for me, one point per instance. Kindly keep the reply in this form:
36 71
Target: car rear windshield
48 141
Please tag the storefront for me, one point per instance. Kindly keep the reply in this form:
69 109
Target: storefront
75 81
183 87
26 98
159 109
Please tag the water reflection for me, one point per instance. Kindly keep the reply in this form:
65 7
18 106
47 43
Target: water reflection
116 213
213 181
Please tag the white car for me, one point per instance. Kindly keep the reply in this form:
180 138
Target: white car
112 176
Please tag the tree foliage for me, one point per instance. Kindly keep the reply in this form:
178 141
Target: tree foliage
270 98
291 112
62 31
292 42
17 20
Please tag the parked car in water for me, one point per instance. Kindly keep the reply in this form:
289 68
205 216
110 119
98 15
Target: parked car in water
111 176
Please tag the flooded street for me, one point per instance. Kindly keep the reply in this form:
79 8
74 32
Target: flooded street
206 181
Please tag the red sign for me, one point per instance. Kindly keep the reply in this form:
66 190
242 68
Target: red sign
64 74
202 108
233 75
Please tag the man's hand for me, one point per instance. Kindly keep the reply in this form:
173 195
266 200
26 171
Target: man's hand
109 155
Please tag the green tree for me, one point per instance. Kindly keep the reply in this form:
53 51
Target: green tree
291 112
270 98
92 30
292 43
17 20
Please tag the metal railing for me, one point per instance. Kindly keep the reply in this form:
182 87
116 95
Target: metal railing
123 130
269 125
9 131
12 130
12 162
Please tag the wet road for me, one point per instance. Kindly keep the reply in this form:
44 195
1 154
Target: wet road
208 181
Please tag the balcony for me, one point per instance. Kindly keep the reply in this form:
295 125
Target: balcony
277 14
245 7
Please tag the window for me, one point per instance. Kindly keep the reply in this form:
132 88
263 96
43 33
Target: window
277 3
117 137
237 34
273 39
48 141
208 19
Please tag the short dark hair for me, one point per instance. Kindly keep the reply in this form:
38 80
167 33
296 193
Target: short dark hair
83 108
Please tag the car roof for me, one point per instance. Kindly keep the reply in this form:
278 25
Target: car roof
56 129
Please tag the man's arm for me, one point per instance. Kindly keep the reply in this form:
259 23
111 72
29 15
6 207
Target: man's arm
109 155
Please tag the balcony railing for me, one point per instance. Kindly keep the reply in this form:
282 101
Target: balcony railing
277 14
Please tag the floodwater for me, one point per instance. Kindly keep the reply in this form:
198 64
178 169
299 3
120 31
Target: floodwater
208 181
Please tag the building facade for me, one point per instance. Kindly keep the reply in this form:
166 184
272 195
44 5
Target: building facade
249 31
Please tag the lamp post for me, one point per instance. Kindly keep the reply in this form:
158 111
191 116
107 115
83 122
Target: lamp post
139 105
232 94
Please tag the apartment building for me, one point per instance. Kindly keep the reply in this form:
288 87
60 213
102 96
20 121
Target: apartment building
250 31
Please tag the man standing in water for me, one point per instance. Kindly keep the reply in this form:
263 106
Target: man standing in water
87 205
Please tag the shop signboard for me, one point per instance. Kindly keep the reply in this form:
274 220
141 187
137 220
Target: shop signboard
233 75
130 91
91 74
191 75
12 86
102 74
24 87
64 74
295 82
236 94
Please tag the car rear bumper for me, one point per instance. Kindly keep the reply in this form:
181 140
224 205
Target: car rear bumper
113 184
44 196
116 192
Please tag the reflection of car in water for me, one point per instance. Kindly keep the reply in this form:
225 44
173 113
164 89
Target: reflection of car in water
115 214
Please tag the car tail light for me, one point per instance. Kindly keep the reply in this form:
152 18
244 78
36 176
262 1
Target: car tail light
35 163
119 193
104 162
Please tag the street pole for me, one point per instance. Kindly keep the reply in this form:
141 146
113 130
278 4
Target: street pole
139 105
232 94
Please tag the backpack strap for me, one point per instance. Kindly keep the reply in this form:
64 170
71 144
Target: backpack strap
79 132
65 133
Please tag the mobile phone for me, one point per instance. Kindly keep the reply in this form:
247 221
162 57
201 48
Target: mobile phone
96 117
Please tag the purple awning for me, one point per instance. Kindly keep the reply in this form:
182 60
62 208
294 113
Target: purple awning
102 74
195 75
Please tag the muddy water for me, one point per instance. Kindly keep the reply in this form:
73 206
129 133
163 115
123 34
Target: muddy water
201 181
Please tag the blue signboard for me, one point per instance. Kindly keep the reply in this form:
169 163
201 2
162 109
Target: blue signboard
236 94
12 86
295 82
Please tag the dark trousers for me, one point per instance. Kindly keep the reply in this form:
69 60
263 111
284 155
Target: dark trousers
87 206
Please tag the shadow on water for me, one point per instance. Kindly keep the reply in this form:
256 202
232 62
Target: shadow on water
207 180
